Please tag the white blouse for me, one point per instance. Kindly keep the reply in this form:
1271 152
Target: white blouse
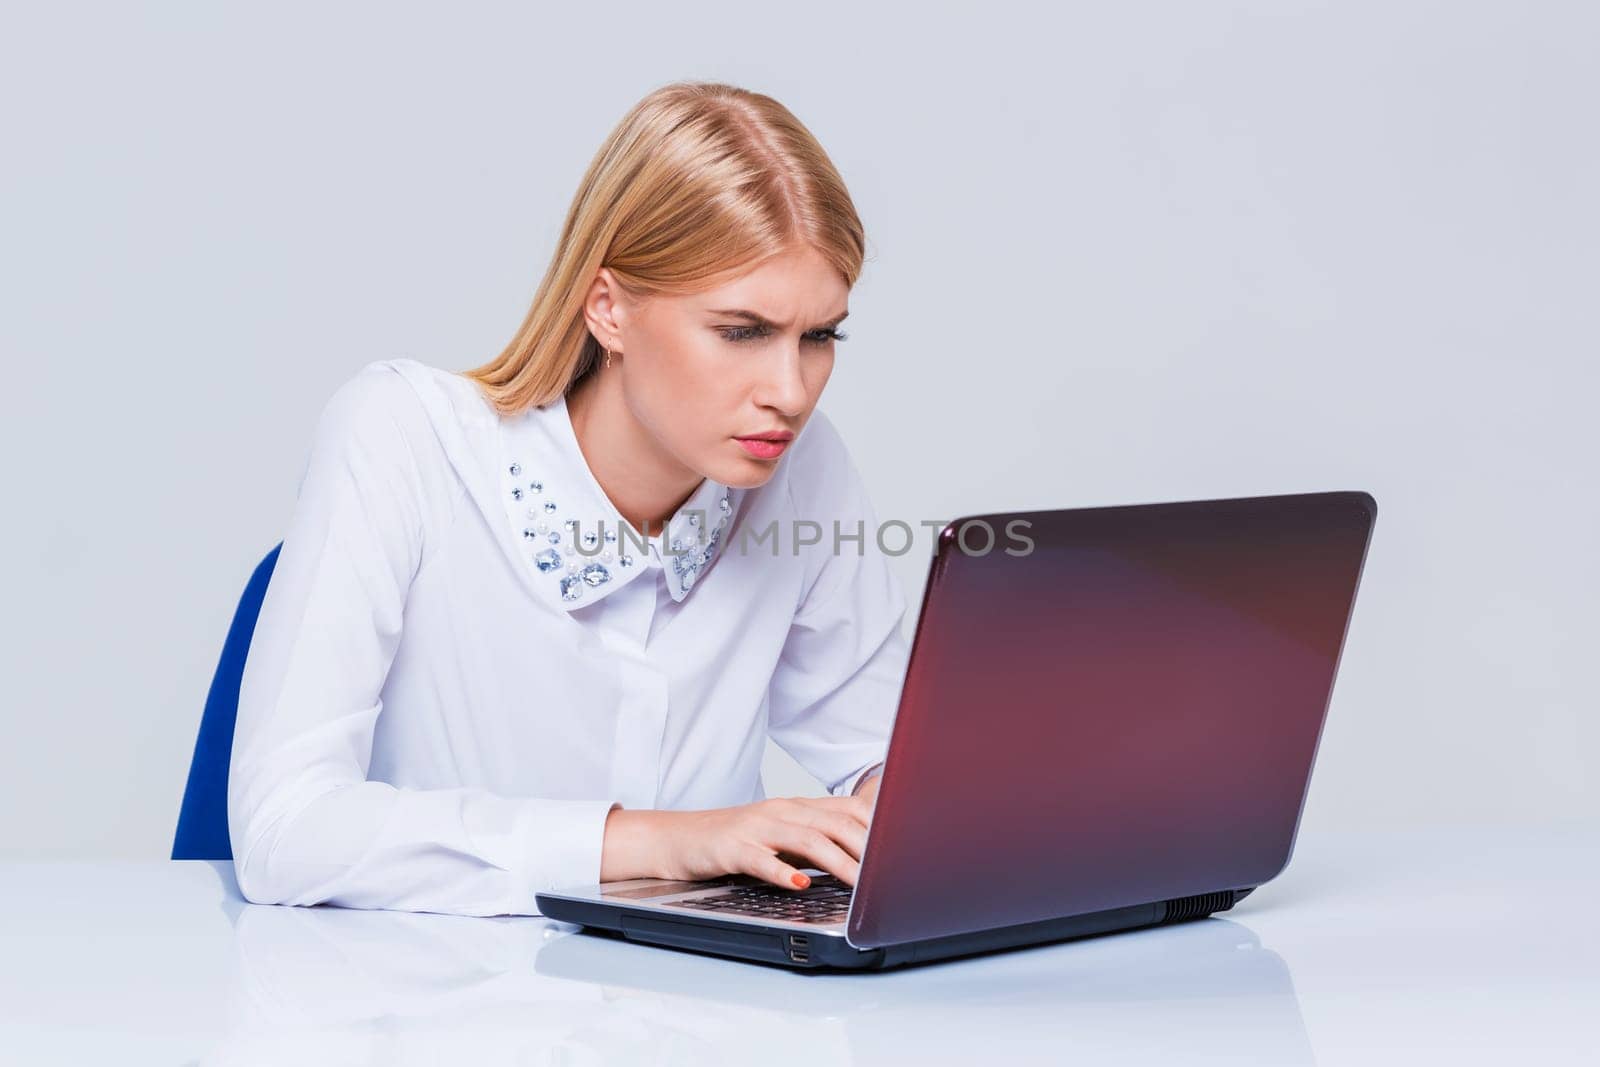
449 687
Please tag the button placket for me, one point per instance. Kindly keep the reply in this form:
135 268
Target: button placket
642 707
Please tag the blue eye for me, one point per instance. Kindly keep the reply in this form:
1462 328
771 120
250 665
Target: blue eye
751 333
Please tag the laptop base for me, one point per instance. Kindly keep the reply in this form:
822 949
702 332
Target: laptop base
811 951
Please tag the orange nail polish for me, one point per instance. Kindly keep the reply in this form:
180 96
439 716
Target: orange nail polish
800 881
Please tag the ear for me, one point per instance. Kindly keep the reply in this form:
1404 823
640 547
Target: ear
605 309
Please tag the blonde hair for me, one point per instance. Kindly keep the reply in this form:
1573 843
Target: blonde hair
699 180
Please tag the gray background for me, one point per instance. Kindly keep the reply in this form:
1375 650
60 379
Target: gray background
1119 253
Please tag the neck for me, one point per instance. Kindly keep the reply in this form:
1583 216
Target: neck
642 482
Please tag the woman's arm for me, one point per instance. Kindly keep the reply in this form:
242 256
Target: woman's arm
306 825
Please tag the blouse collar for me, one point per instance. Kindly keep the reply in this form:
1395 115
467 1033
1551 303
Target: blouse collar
575 535
530 478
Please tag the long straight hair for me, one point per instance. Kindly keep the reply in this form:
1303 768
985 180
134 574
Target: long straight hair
699 181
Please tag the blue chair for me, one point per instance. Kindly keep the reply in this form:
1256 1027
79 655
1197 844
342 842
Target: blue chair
203 819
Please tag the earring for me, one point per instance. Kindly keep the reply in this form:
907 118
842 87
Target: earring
608 357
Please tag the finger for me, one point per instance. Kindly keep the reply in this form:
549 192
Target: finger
819 848
850 833
841 824
760 862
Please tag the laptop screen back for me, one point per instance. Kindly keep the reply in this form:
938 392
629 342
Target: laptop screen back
1126 711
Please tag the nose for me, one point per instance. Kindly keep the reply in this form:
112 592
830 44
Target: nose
782 386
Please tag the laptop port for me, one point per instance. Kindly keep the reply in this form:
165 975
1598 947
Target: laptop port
799 948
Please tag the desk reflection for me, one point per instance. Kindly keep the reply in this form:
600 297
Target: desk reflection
330 985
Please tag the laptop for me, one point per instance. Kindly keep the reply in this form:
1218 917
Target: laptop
1109 721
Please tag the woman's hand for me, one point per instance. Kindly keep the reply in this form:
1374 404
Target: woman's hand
769 839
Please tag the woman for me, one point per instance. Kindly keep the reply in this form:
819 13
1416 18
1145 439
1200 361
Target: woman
532 623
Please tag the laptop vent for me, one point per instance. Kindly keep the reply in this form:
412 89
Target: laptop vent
1194 907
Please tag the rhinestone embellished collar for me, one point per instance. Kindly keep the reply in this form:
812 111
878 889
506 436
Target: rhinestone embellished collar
572 536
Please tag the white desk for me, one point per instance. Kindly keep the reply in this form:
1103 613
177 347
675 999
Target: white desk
1439 949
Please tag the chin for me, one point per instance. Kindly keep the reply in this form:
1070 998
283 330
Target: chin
750 474
741 472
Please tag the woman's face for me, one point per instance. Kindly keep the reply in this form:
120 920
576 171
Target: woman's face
745 358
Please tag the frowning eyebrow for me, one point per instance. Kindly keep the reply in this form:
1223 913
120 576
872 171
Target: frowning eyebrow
762 320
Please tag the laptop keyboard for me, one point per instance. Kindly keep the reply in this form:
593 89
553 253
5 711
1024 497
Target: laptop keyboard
825 900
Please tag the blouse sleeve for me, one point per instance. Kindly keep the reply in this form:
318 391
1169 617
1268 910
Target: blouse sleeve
307 827
836 687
